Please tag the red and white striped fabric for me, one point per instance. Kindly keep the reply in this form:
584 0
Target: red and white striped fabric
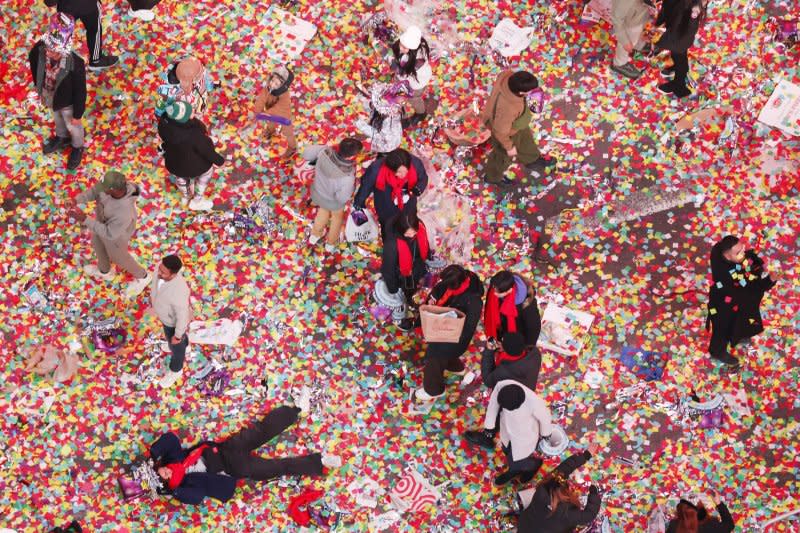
413 492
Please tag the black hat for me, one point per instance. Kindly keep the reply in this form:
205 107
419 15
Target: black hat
511 397
513 343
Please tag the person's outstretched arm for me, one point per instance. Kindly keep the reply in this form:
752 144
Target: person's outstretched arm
367 184
573 462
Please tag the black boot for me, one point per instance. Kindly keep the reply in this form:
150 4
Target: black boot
504 478
527 475
726 359
484 439
54 144
74 159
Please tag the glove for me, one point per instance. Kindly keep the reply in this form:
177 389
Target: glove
415 191
490 433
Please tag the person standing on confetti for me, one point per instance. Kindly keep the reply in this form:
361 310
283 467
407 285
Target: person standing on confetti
89 13
694 518
554 505
332 188
169 302
385 125
211 469
463 290
738 286
189 153
112 229
682 19
274 104
508 116
412 64
511 306
59 75
629 18
396 180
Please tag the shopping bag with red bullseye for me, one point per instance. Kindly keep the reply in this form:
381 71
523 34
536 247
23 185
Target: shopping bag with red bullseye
413 492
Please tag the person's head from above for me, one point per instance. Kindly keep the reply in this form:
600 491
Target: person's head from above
398 161
522 82
164 473
169 267
689 516
502 283
279 80
58 39
510 397
406 224
410 39
453 276
732 249
189 72
114 184
349 148
513 343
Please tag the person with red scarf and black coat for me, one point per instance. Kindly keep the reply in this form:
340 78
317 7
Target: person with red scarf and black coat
396 181
511 307
213 468
463 290
405 250
512 360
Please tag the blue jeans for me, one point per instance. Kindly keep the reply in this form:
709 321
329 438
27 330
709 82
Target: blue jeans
178 350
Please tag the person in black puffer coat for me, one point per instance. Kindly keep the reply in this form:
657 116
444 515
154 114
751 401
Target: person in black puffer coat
189 153
555 506
512 360
463 290
682 19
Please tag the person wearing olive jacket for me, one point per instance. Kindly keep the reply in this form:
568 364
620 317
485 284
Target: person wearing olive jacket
460 289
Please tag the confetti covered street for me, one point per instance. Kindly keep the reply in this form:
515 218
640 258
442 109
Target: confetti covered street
616 239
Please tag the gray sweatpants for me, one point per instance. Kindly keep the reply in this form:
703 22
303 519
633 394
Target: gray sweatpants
116 252
66 129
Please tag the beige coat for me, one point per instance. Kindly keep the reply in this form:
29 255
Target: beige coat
171 303
509 108
628 14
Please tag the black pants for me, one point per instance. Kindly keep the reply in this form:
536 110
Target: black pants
681 67
143 4
239 462
178 350
527 464
720 338
94 32
433 373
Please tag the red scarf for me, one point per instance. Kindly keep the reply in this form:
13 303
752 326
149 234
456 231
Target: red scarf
491 315
179 469
387 175
501 357
449 293
404 250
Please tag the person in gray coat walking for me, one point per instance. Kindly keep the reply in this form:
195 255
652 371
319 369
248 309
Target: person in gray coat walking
169 300
112 228
332 188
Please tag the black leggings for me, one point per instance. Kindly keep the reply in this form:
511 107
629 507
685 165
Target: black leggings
94 32
681 67
239 462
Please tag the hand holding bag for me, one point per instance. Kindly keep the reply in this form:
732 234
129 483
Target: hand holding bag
365 232
436 327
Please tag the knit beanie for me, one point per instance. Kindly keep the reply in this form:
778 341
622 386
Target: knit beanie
179 111
513 343
285 76
511 397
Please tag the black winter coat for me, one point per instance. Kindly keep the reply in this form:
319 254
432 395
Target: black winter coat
735 296
712 525
188 150
538 517
385 208
681 26
390 265
72 89
470 302
525 370
76 8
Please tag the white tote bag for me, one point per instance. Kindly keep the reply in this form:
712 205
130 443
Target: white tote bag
366 232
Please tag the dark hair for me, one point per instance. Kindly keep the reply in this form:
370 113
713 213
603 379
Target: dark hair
513 343
397 158
410 68
349 147
405 221
521 82
453 276
173 263
502 281
511 397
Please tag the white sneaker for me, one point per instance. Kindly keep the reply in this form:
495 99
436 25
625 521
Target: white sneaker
93 271
169 379
143 14
165 347
331 461
421 396
330 248
201 204
313 239
136 287
461 373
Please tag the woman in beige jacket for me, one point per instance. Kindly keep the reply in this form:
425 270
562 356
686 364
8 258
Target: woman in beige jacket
274 105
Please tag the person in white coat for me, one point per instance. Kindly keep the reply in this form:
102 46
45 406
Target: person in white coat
523 419
412 64
629 18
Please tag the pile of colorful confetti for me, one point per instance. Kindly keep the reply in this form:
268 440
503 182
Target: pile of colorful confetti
620 231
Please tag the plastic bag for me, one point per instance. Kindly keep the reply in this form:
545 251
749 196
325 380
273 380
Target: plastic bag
366 232
509 39
448 219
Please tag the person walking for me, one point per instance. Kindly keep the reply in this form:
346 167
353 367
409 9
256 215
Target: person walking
628 18
332 188
412 64
463 290
189 154
508 116
212 469
739 282
59 75
112 228
682 19
89 12
169 301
